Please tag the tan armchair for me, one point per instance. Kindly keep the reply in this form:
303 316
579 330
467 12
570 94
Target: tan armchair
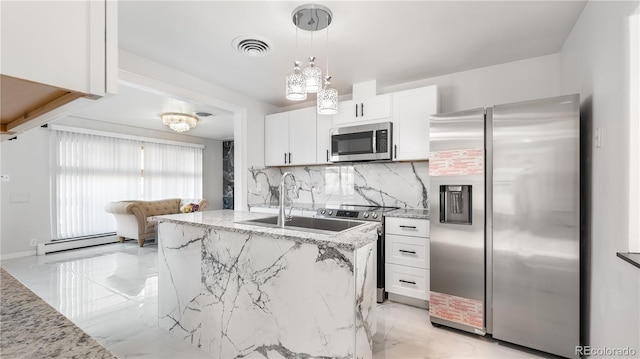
132 217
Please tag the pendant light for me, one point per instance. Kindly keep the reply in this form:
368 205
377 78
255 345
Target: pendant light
308 17
327 101
296 86
312 75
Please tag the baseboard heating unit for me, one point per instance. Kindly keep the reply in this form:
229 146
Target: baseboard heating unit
74 243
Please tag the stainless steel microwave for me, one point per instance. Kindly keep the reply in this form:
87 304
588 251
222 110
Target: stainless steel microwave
361 143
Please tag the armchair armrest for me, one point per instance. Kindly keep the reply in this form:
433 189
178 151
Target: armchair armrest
121 207
129 208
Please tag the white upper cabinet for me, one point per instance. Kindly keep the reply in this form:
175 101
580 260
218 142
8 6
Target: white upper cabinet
302 136
56 57
411 111
323 139
370 109
276 139
66 44
290 138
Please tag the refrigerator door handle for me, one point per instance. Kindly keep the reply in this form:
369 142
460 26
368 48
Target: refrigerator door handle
442 204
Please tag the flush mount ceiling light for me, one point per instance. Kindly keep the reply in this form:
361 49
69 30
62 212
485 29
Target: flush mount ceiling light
311 17
179 122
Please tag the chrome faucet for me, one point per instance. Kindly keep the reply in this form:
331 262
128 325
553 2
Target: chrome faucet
282 217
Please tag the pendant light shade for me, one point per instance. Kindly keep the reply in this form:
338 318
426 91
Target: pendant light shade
328 99
312 17
312 76
296 86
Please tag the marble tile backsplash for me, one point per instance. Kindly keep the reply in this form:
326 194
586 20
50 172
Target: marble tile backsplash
399 184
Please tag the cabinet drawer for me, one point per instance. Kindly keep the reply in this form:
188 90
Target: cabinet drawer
407 226
407 281
405 250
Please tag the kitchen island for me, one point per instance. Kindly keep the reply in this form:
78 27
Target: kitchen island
238 290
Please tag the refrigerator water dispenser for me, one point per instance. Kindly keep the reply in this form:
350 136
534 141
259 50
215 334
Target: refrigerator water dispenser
455 204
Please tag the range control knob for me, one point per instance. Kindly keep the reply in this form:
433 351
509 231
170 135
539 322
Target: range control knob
323 211
365 215
330 212
375 216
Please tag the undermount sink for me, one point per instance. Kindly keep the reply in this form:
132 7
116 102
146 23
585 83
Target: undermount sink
308 224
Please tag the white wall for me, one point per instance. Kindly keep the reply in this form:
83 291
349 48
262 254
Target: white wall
522 80
25 209
249 151
26 159
25 199
493 85
594 63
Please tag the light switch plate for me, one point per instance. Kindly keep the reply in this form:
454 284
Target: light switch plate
5 178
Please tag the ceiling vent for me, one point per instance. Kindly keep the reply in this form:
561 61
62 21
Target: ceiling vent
253 46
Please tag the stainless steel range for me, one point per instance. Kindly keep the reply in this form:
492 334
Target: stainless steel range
355 211
364 213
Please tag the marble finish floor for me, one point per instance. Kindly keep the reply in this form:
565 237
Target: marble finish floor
111 292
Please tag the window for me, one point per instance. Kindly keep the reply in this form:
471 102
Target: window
90 170
172 171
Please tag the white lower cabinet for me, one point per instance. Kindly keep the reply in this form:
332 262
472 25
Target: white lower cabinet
408 281
407 251
407 257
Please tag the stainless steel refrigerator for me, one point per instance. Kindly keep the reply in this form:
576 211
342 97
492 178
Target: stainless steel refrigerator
505 227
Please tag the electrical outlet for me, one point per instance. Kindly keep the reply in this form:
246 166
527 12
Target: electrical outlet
34 242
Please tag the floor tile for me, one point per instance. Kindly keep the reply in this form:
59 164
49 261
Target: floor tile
111 292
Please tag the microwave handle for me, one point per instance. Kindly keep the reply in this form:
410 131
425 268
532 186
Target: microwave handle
375 147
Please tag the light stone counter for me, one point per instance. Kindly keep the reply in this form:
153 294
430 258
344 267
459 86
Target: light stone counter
227 219
237 290
408 213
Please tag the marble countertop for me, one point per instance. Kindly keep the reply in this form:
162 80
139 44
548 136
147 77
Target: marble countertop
31 328
402 212
408 213
349 239
302 206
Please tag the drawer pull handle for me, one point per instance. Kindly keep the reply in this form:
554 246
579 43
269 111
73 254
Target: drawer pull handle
410 227
407 281
405 251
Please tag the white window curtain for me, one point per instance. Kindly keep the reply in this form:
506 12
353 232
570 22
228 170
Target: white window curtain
90 171
172 171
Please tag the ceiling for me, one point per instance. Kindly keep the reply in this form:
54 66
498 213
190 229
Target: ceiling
390 41
137 107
